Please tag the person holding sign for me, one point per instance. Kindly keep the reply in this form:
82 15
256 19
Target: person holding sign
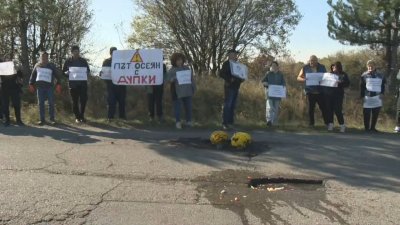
275 90
11 87
372 88
313 91
115 93
182 88
334 96
43 76
77 70
231 89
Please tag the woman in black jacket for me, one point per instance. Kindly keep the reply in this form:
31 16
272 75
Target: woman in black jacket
334 97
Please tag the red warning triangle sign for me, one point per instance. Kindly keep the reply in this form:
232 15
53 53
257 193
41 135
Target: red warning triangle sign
136 57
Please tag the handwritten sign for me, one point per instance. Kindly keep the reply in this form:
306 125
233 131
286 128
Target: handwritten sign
239 70
7 68
184 77
374 84
43 74
137 67
372 102
105 73
277 91
77 73
313 79
329 80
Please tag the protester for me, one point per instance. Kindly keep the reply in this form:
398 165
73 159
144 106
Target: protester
1 110
334 97
182 88
43 76
273 77
77 70
397 128
11 88
155 98
314 93
116 94
372 88
231 89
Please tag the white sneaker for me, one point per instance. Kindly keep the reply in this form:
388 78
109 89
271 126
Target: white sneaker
397 129
178 125
330 127
342 128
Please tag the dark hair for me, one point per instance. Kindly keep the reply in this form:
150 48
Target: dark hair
112 49
276 62
74 47
332 65
44 53
174 57
339 67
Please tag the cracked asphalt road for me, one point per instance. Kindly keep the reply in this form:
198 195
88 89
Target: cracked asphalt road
90 175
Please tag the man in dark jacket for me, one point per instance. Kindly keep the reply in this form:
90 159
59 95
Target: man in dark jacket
115 93
11 88
231 89
314 93
77 70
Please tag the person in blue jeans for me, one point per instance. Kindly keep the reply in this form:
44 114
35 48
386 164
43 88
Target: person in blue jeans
231 90
182 88
43 76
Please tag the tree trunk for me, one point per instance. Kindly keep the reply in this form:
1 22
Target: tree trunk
23 30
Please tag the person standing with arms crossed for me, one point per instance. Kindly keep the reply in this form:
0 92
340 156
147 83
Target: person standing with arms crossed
77 70
314 93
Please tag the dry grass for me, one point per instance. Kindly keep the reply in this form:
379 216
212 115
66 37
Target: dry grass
207 106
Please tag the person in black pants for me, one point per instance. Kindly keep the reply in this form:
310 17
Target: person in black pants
367 93
334 97
115 93
314 93
155 99
11 88
77 70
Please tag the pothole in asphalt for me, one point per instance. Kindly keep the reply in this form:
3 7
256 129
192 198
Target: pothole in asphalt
254 149
285 184
241 191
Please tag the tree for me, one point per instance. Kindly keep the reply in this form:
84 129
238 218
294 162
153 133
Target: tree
205 29
28 27
368 22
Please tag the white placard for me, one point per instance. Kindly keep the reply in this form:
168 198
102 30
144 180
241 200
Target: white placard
184 77
7 68
77 73
372 102
239 70
137 67
374 84
105 73
43 74
329 80
277 91
313 79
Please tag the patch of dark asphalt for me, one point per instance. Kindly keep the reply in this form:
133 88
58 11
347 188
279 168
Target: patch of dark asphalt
230 190
254 149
